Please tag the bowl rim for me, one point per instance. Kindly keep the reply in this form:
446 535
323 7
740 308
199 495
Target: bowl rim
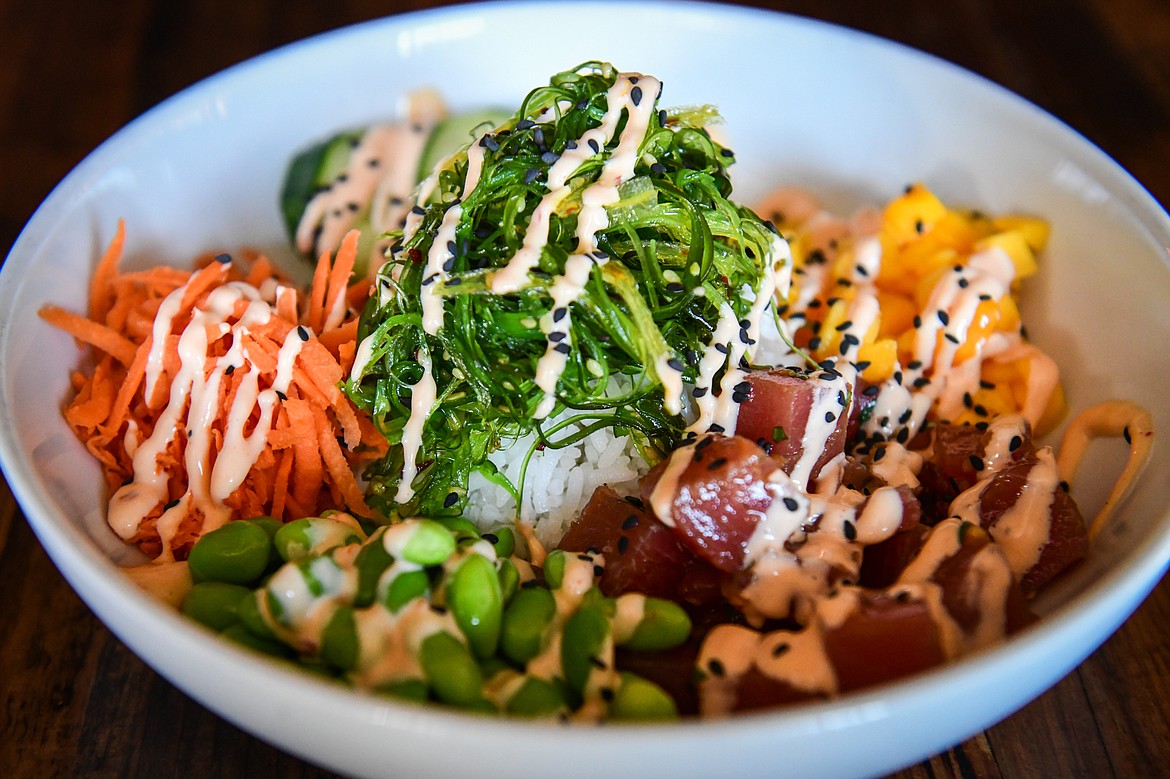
1105 601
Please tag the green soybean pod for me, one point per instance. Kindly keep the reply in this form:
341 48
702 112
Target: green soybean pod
582 646
310 536
339 640
419 541
536 698
639 699
451 671
476 602
663 625
554 568
503 539
251 617
405 587
371 562
215 604
525 620
235 553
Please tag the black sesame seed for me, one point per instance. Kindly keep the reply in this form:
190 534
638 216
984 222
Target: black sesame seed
903 435
704 443
455 282
525 124
594 145
281 395
598 571
976 463
716 428
722 348
451 499
844 326
917 321
623 543
531 175
963 283
559 314
440 610
171 505
548 158
717 463
607 694
674 287
871 390
630 522
636 96
921 382
791 504
699 392
676 364
662 116
879 454
557 336
228 371
563 348
740 397
1125 435
716 667
302 333
223 258
830 416
849 530
418 210
780 649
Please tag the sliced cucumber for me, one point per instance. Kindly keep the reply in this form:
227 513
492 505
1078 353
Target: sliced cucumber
309 171
455 132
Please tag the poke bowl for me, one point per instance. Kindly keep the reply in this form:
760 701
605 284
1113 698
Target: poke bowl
204 172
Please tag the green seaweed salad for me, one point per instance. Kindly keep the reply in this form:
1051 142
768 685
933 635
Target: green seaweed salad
671 254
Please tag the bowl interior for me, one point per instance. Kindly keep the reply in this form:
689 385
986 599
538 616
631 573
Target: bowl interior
851 117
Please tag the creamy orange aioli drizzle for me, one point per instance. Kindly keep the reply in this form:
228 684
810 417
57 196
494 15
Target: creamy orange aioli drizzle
1117 418
1022 531
192 406
592 218
381 171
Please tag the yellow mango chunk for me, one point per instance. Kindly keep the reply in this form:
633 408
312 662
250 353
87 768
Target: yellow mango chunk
1013 243
1034 230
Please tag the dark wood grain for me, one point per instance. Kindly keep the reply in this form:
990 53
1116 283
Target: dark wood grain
75 702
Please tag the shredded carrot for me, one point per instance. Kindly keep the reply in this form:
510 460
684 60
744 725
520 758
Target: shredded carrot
306 448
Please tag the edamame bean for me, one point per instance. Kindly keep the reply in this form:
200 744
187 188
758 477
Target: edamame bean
406 689
244 637
640 699
664 625
525 620
405 587
476 601
451 671
536 698
371 562
419 541
503 539
583 646
236 553
251 617
339 640
554 568
311 536
509 578
215 604
462 528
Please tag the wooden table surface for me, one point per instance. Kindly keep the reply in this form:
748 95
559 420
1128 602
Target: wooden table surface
75 701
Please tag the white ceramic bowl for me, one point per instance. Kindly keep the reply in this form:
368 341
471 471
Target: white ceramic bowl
853 117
